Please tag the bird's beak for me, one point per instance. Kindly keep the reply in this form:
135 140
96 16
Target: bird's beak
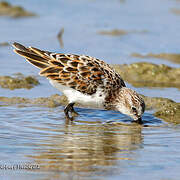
139 120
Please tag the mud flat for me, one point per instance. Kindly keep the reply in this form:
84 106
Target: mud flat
167 56
18 81
6 9
143 74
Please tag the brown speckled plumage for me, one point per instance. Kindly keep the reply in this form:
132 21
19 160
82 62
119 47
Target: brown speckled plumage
80 72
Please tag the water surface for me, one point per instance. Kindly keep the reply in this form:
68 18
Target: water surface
98 145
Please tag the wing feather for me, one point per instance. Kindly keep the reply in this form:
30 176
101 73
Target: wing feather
82 73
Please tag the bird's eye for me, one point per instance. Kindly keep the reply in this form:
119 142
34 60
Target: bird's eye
134 109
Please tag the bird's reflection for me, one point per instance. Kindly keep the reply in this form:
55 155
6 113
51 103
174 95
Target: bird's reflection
88 147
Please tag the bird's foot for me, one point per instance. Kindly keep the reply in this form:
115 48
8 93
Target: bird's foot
69 108
74 113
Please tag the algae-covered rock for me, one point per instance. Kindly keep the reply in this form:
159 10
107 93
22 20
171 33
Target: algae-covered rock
165 108
114 32
7 9
167 56
18 81
4 44
119 32
14 100
145 74
51 102
175 11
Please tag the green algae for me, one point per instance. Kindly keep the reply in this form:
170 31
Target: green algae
165 109
167 56
143 74
6 9
18 81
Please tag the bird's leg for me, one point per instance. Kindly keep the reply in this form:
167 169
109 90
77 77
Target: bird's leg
69 108
74 113
66 111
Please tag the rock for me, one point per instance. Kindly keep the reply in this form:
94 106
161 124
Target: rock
167 56
115 32
4 44
119 32
165 108
145 74
7 9
175 11
17 82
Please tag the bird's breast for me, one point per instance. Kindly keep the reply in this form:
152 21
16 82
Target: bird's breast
95 100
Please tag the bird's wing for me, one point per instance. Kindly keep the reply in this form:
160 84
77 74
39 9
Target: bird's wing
80 72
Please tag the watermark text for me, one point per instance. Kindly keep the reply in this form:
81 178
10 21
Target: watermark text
19 166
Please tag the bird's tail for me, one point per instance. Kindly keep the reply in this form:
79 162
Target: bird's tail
33 55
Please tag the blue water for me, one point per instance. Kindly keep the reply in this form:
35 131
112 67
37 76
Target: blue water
98 144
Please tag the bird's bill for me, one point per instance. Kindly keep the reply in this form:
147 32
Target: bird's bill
139 120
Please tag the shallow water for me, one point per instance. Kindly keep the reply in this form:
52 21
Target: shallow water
98 144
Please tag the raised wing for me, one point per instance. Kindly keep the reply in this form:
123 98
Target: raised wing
82 73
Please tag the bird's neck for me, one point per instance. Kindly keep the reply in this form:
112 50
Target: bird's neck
112 99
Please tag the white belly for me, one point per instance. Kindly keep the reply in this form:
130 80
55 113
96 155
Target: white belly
94 101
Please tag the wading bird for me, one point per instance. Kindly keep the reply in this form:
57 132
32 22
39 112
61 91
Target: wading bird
85 80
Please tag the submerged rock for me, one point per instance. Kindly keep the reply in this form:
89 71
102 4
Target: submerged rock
167 56
170 114
14 100
18 81
165 109
119 32
115 32
175 11
4 44
145 74
51 102
7 9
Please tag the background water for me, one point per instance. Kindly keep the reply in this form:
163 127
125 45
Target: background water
99 144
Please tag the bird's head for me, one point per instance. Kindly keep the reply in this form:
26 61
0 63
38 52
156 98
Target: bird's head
130 103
